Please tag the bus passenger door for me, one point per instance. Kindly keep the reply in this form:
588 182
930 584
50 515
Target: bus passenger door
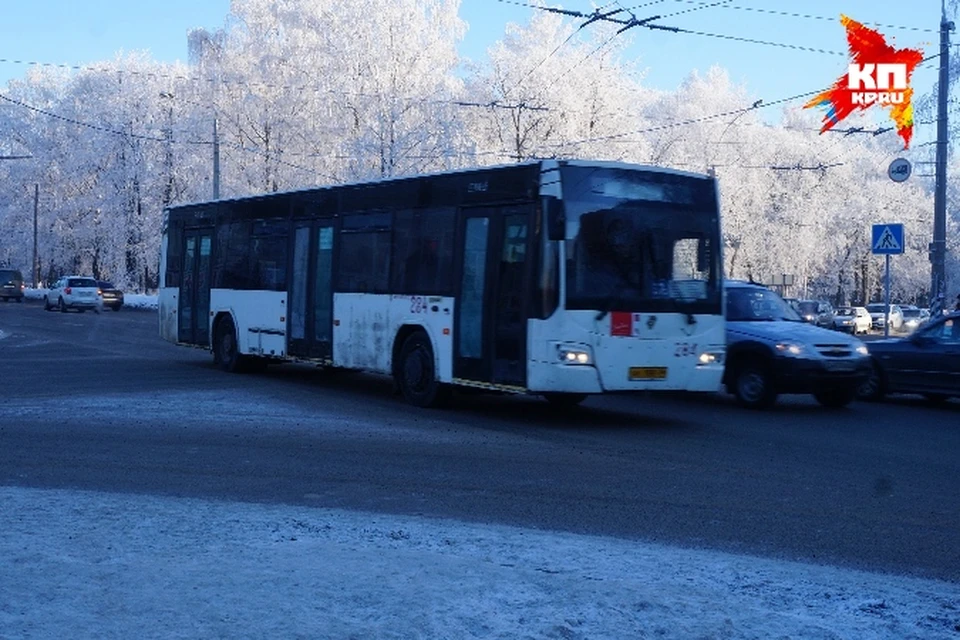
194 309
310 316
492 301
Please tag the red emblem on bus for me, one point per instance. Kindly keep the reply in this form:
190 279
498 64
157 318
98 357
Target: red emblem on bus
621 323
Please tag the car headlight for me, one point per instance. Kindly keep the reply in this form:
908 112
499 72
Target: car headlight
574 354
862 350
790 348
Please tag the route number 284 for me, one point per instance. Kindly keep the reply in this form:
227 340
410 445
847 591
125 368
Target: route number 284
418 304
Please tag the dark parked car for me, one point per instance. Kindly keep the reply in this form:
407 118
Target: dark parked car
770 350
112 297
926 363
11 285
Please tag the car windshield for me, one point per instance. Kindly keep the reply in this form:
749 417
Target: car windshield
105 285
748 304
82 282
875 308
911 313
845 311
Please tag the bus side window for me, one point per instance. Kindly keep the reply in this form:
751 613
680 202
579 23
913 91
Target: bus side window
423 252
365 253
232 256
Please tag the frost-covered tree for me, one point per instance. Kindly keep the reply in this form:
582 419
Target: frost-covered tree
550 91
319 91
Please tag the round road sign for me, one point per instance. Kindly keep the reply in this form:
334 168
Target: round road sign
899 170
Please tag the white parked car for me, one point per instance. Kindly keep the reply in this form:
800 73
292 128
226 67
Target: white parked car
894 314
913 317
74 292
855 320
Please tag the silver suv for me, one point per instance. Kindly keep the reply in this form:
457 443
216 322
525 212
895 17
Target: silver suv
771 350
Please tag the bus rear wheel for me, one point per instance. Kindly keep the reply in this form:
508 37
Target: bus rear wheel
416 374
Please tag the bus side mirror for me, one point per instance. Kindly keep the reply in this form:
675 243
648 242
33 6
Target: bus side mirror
556 219
703 255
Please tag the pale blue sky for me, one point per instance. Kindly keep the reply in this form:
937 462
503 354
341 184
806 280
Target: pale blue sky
79 32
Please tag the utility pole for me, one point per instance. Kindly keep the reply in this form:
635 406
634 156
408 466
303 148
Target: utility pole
36 207
938 248
216 161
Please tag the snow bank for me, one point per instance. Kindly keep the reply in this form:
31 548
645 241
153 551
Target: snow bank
130 300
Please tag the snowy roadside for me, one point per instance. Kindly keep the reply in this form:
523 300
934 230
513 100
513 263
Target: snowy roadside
85 564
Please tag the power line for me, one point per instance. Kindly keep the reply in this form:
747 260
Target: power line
769 43
659 27
683 123
137 136
703 5
223 81
79 123
808 16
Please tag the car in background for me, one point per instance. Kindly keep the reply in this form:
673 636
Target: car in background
11 285
855 320
112 297
816 312
771 350
926 363
913 317
881 316
74 292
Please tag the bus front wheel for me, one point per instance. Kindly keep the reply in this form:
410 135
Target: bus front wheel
416 374
226 354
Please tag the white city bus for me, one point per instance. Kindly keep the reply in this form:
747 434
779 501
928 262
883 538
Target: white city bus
558 278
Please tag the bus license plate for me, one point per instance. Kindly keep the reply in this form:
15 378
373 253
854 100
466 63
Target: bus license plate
648 373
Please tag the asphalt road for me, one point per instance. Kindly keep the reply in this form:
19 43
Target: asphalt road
100 402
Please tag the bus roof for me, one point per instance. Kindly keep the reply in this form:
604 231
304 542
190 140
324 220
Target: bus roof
605 164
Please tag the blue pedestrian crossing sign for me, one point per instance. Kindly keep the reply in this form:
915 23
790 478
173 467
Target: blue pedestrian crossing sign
887 239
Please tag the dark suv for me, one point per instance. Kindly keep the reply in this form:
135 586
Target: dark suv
816 312
771 350
11 285
112 296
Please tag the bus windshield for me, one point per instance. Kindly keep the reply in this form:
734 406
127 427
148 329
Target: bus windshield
641 241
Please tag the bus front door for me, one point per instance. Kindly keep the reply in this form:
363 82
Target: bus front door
194 309
310 319
492 299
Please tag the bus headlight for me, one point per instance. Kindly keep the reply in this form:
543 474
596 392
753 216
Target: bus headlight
710 357
574 354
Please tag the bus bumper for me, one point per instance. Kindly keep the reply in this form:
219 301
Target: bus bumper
544 377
